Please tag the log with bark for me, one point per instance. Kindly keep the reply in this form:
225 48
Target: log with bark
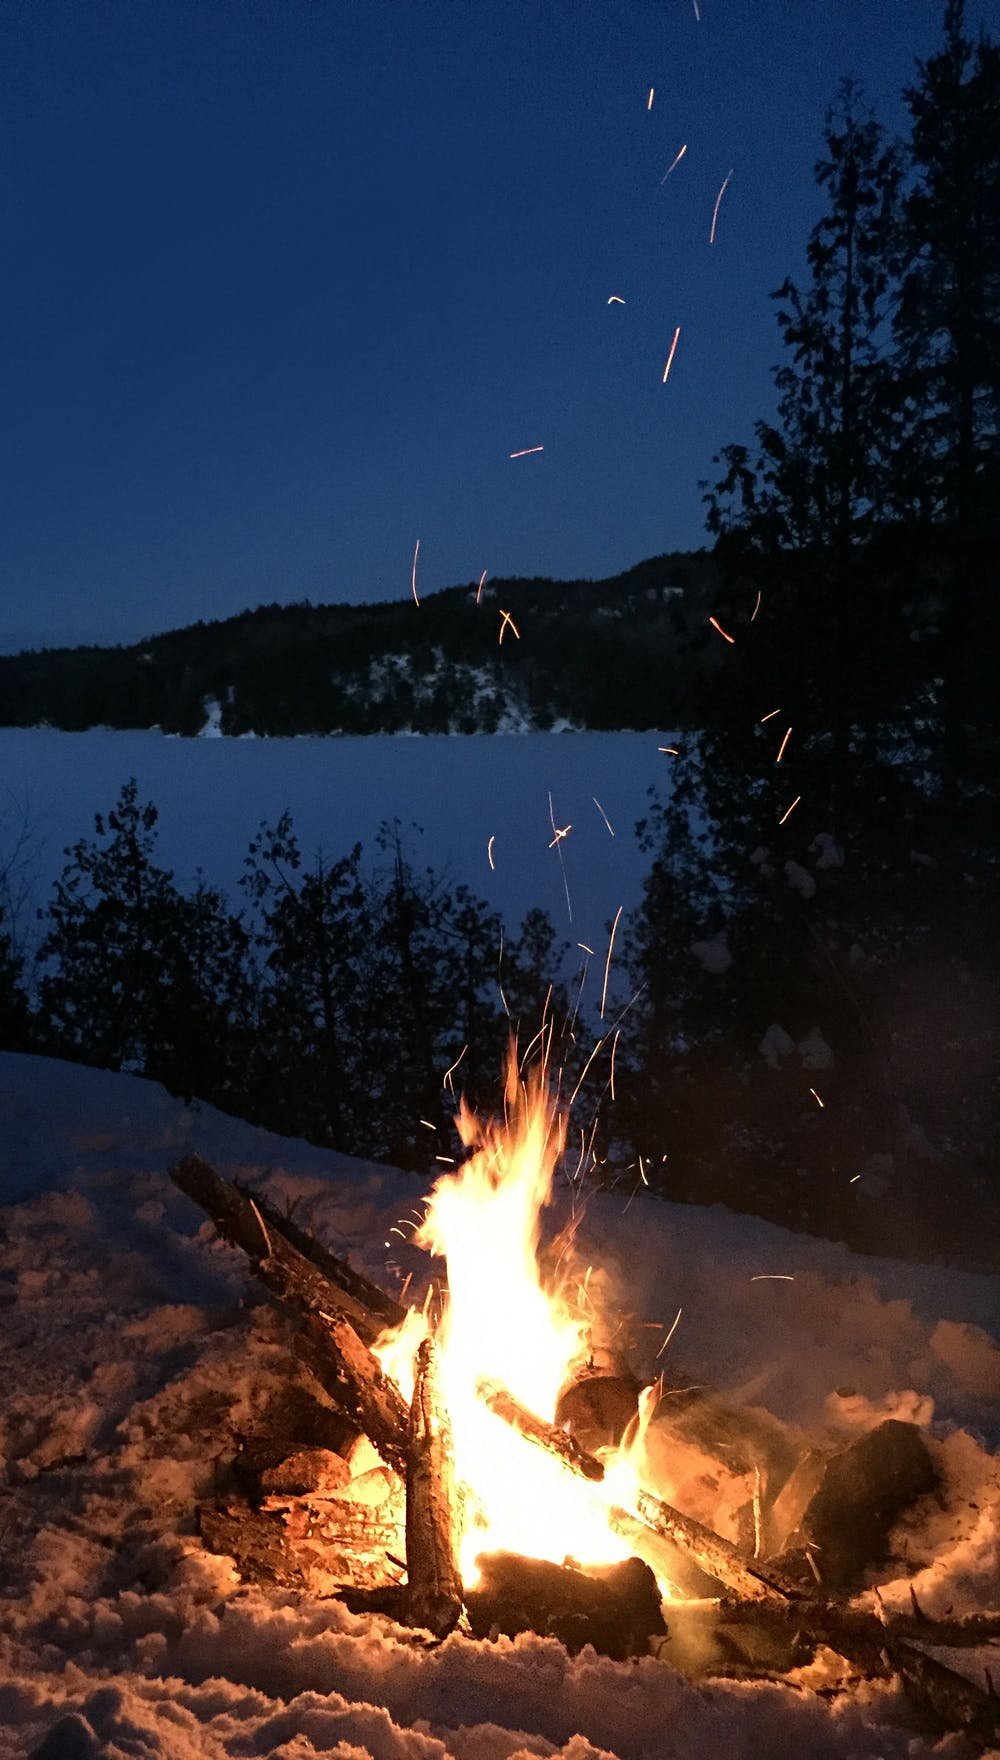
716 1557
544 1435
334 1325
304 1274
434 1595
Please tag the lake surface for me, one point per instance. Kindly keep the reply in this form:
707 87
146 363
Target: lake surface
213 793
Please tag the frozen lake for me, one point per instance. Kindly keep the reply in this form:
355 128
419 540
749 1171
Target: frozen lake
213 793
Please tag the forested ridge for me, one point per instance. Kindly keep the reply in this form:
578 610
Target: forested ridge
624 652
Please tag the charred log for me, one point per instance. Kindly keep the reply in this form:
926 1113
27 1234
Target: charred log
861 1493
617 1609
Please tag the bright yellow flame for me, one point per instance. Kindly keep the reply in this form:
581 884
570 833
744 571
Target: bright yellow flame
503 1324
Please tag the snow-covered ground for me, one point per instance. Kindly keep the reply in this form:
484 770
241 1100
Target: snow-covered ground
213 793
131 1356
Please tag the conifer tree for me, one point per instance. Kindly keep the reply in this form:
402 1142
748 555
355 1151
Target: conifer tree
315 1036
948 332
115 924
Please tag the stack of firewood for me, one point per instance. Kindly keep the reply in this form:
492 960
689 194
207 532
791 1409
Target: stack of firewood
384 1530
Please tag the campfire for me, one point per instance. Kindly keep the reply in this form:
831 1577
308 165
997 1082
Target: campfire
484 1461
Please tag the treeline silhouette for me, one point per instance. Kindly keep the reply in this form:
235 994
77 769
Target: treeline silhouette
330 1005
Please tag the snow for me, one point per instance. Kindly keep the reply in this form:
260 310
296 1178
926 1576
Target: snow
212 794
133 1349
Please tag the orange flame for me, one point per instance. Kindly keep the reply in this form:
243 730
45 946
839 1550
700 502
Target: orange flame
503 1323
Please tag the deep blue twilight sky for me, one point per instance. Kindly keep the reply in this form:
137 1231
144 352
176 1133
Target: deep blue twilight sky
284 282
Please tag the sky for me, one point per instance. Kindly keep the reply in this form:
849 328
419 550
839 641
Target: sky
285 284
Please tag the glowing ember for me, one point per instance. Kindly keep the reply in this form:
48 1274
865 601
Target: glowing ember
503 1326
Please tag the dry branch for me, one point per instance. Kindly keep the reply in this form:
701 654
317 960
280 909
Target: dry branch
331 1338
311 1283
434 1587
548 1436
890 1646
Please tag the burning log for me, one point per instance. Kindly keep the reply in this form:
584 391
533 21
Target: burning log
714 1556
434 1596
344 1366
548 1436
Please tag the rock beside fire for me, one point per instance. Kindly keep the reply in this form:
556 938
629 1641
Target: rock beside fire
861 1494
615 1608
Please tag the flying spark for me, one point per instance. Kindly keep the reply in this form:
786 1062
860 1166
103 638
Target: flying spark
616 300
586 949
557 841
607 963
781 748
696 11
603 814
819 1102
853 1178
479 589
427 1124
674 163
724 633
560 833
649 100
526 450
506 621
489 851
670 1332
670 357
789 810
413 576
772 1277
718 203
673 750
446 1081
753 614
614 1048
770 715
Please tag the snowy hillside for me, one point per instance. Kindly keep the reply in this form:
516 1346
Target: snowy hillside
135 1351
